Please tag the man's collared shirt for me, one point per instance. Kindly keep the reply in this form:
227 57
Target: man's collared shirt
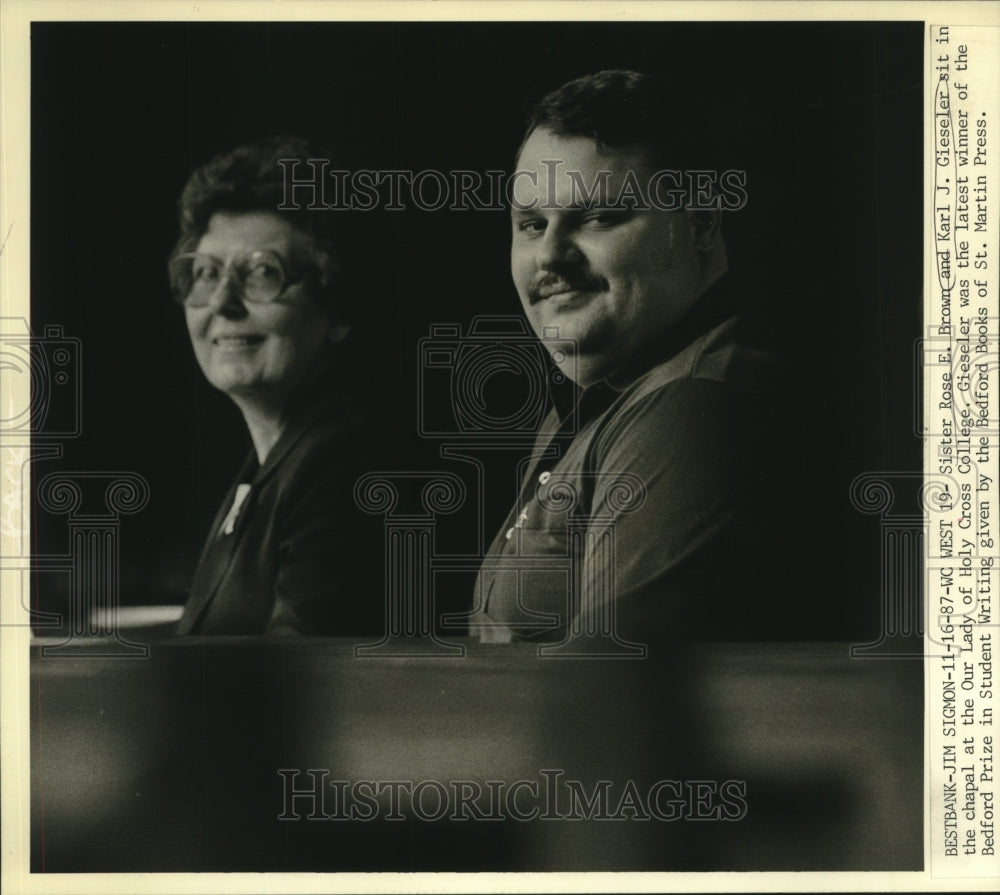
646 494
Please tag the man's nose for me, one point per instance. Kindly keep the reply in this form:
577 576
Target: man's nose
557 248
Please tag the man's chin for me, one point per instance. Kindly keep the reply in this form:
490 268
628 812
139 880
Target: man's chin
584 367
556 330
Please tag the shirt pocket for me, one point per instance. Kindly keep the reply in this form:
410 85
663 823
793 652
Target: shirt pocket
530 590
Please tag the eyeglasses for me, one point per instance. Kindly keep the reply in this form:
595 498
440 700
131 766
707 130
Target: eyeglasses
196 277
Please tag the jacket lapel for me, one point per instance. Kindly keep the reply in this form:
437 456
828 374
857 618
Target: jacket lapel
216 556
219 550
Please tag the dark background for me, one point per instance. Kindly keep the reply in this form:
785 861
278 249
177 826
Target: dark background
824 117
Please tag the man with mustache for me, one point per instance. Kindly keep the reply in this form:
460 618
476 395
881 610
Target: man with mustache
639 518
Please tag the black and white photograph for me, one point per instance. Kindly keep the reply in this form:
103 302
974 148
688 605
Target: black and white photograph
476 446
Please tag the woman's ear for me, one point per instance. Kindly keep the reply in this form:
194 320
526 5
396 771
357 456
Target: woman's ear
329 273
329 268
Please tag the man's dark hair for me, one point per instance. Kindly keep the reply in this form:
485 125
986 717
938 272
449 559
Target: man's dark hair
249 178
618 108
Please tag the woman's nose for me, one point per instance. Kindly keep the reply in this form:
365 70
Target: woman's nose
227 295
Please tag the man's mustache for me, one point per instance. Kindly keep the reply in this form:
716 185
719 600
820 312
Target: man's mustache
553 284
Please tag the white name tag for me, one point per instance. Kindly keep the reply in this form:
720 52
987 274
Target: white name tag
229 523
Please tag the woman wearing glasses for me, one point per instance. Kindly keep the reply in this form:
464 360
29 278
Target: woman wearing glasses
289 552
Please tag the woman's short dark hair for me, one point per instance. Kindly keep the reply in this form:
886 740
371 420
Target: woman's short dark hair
249 178
617 108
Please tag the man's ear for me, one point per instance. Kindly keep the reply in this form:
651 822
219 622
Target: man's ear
707 227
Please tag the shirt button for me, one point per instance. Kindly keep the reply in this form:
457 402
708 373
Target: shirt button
544 477
510 533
